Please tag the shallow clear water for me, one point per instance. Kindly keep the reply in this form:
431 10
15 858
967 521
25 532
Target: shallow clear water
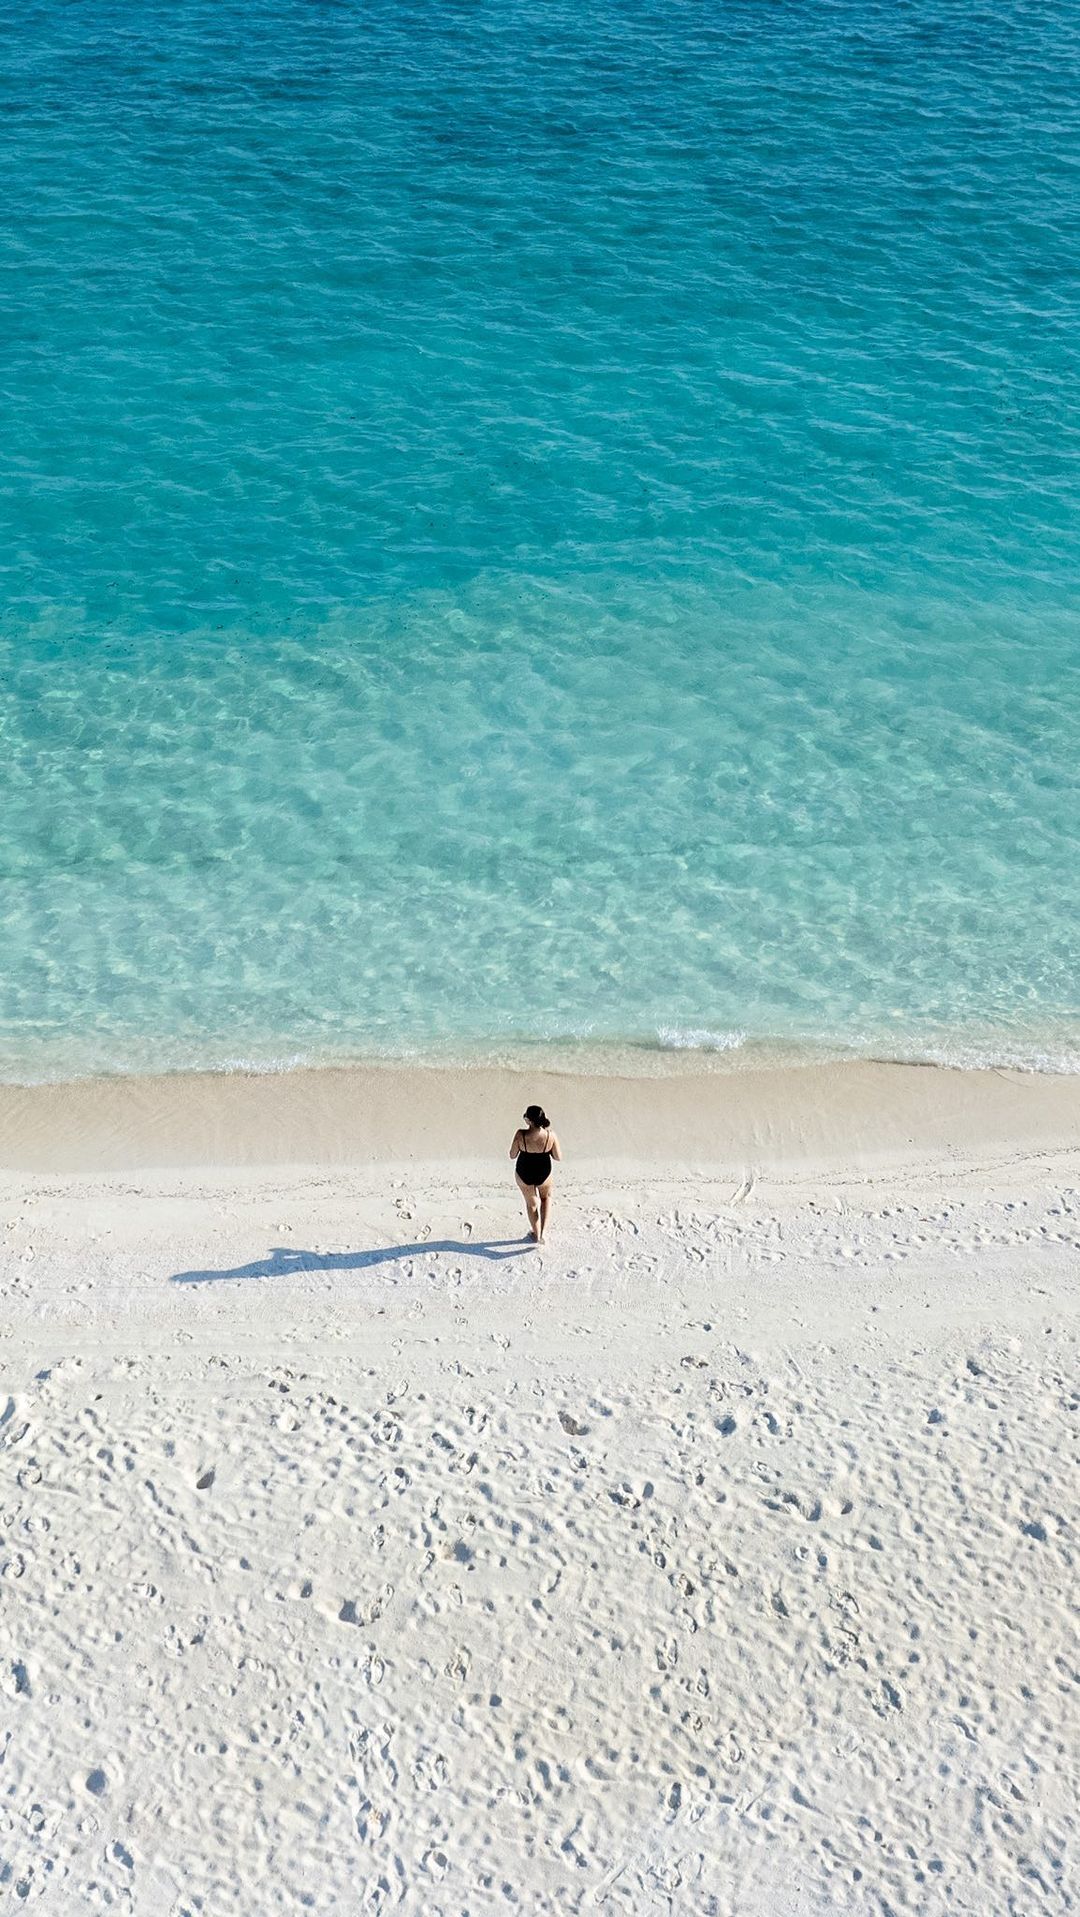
527 522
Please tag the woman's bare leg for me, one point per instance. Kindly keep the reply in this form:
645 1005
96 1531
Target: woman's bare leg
545 1207
532 1206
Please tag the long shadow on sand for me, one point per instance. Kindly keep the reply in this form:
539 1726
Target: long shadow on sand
285 1261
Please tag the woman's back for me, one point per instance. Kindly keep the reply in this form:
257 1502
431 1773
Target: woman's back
535 1138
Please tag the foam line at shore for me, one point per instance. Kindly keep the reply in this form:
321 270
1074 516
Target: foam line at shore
850 1113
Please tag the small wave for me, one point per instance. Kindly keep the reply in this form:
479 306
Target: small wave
1052 1052
672 1038
251 1067
985 1055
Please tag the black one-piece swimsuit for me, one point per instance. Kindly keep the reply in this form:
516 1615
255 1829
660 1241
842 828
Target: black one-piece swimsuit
533 1168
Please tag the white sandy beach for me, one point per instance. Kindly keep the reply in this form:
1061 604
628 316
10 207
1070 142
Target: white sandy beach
719 1557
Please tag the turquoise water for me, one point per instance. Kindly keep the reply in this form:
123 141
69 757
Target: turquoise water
538 523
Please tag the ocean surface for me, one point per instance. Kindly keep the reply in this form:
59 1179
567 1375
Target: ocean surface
539 524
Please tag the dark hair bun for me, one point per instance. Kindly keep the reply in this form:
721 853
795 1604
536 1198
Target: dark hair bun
536 1115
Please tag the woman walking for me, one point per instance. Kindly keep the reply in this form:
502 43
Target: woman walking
534 1147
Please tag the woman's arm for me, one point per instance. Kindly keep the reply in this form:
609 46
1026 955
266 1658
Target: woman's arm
556 1151
515 1147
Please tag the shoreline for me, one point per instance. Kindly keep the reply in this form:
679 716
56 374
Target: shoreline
852 1114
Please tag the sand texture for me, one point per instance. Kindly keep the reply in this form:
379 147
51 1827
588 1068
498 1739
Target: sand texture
841 1116
718 1558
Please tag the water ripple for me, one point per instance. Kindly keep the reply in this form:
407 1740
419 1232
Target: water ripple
539 521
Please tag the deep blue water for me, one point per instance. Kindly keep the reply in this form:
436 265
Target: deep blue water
529 521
